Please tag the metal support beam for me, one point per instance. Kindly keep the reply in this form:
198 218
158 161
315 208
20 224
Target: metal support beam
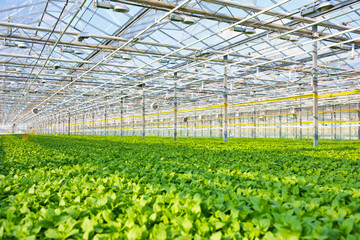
300 119
280 118
292 17
225 117
230 18
334 114
265 128
349 121
331 120
195 124
92 123
158 125
59 124
358 112
254 121
341 119
83 124
75 124
315 92
69 123
105 122
121 116
143 112
175 106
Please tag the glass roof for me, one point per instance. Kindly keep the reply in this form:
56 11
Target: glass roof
59 56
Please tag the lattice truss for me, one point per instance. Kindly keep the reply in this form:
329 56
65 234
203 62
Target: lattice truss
72 56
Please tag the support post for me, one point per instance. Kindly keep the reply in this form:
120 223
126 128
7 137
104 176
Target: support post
75 124
254 121
349 121
105 122
280 133
143 112
59 124
83 124
287 124
334 114
240 127
300 118
358 112
331 120
265 126
68 123
92 123
175 106
315 92
210 126
158 125
133 126
341 119
195 124
121 116
225 117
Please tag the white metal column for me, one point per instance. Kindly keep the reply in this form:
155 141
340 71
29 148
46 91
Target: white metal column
105 122
92 123
143 112
69 123
225 117
75 124
83 124
358 112
315 91
300 118
121 116
254 122
175 106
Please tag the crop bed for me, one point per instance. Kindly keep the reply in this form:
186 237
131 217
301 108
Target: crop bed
75 187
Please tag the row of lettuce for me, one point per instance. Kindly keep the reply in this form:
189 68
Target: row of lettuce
195 188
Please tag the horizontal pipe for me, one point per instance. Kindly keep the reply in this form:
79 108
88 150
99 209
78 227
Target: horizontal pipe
253 23
292 17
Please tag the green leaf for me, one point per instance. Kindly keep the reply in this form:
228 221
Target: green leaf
107 215
33 237
219 225
216 236
159 231
1 232
53 233
32 189
101 201
285 234
87 225
196 209
77 199
347 226
262 224
134 233
187 225
62 203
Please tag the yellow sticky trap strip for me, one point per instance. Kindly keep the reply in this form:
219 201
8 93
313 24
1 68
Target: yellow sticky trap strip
339 94
241 104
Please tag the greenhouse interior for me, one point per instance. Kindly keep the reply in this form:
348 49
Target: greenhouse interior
180 119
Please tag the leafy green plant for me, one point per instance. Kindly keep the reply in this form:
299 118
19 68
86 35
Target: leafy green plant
197 188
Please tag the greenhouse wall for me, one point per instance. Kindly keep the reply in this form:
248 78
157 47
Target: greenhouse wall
340 121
